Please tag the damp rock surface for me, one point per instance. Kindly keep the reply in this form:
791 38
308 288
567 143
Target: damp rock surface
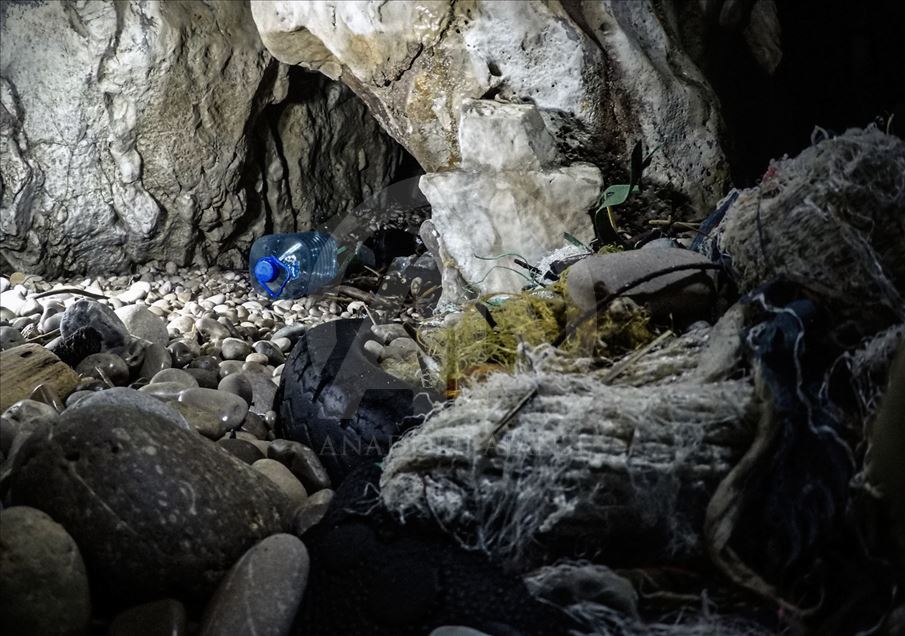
44 586
155 509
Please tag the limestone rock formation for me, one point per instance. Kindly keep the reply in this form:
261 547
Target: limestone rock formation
138 131
603 74
509 197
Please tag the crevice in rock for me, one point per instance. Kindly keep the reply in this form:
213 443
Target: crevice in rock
315 154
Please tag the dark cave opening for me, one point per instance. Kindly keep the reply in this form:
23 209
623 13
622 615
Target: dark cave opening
842 67
300 171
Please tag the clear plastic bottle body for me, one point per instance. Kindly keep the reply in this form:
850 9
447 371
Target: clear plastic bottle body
293 265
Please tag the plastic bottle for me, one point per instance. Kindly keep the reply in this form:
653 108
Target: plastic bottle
293 265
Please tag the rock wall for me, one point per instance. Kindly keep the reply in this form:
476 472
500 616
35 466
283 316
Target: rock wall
134 131
597 77
603 74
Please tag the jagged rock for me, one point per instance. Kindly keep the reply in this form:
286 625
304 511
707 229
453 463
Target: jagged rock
608 73
507 198
165 131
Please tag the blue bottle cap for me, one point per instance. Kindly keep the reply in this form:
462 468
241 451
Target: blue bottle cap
265 271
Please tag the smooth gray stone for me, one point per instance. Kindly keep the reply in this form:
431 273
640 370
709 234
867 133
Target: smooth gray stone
10 337
302 461
254 424
210 329
166 391
156 511
75 396
123 397
206 379
22 418
159 618
272 351
292 332
98 365
284 480
88 313
44 586
238 384
229 367
234 349
285 344
388 332
177 376
312 511
209 363
141 323
263 391
181 353
243 449
157 358
262 592
256 358
228 409
132 353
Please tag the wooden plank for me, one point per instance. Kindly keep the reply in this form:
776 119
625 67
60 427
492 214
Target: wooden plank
24 367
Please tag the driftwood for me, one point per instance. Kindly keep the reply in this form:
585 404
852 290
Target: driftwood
24 367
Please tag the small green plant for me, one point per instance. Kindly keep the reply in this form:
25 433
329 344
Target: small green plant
618 194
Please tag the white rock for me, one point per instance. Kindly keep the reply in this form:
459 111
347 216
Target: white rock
141 323
499 136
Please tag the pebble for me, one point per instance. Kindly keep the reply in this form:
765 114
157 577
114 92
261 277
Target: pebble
110 472
234 349
400 349
88 314
181 353
388 332
166 391
124 398
211 329
254 424
157 358
257 358
302 461
285 344
288 483
12 300
243 449
206 379
373 350
312 511
21 419
206 362
10 337
271 351
262 591
141 323
228 367
137 291
44 586
238 384
177 376
182 324
104 366
226 409
167 617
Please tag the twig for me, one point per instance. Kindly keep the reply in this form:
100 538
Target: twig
491 439
71 290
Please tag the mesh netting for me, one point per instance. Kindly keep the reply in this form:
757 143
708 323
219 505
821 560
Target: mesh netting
831 219
582 463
